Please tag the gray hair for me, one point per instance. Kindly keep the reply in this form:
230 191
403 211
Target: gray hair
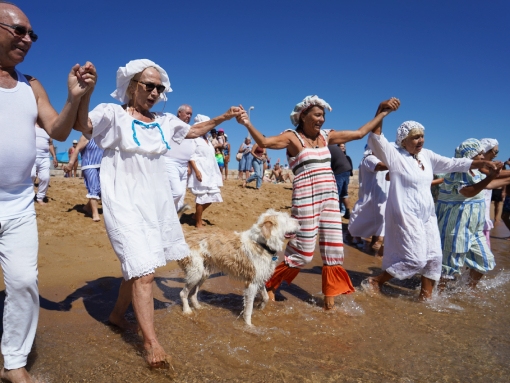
183 107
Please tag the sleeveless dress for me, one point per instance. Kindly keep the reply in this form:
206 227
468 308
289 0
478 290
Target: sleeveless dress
315 206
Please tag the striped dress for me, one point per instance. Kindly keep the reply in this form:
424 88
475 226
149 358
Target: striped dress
315 206
91 157
461 221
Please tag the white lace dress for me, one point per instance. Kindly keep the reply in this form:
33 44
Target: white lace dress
207 190
139 213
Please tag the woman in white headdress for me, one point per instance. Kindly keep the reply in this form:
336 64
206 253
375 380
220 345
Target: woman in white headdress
139 214
205 180
367 216
314 193
490 147
412 244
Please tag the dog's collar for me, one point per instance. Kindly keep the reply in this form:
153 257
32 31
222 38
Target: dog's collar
267 248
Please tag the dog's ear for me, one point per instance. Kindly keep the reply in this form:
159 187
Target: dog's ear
266 229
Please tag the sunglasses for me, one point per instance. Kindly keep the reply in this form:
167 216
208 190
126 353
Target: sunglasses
495 152
21 31
149 86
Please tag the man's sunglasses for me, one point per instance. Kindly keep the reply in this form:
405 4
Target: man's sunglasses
149 86
21 31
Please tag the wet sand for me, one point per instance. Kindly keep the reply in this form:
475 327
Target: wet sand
390 338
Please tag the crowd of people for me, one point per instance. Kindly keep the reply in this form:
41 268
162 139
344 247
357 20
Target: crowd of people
139 163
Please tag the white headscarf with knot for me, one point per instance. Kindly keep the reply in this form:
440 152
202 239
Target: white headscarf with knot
201 118
488 144
126 73
404 129
308 102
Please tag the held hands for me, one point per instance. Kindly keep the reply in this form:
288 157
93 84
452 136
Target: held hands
234 111
243 117
81 80
199 176
494 168
389 106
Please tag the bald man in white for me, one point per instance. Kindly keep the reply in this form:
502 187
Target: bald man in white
23 103
177 159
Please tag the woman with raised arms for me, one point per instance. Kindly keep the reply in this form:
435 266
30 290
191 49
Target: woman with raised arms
314 195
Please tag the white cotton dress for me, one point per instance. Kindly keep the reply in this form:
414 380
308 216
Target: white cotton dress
412 244
367 216
207 191
139 212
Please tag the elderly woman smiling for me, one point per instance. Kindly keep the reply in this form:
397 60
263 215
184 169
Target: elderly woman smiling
140 216
412 244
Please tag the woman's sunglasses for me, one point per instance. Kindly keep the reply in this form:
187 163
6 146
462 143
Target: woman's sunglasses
21 31
149 86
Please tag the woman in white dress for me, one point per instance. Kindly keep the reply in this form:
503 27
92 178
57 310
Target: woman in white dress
206 179
367 216
140 217
412 244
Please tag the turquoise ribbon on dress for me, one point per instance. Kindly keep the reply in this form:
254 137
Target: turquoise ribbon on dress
152 125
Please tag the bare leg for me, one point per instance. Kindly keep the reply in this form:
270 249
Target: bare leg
143 304
270 294
427 285
199 209
497 216
17 375
123 301
474 278
94 210
226 170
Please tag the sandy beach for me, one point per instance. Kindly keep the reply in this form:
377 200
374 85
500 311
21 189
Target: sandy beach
459 337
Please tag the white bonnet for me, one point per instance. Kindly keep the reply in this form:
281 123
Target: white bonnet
201 118
404 129
307 102
126 73
488 144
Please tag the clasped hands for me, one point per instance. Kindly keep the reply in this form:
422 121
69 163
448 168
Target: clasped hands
82 79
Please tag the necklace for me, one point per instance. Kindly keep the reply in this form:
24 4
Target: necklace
420 165
314 143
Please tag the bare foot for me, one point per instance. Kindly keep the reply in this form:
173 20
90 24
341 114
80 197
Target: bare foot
156 357
96 218
270 294
372 285
123 324
41 202
17 375
329 303
244 184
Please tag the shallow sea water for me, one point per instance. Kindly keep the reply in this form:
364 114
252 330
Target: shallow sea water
456 337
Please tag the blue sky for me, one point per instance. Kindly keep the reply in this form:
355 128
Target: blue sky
447 61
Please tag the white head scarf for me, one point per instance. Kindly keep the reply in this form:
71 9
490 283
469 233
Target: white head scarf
404 129
308 102
488 144
125 75
201 118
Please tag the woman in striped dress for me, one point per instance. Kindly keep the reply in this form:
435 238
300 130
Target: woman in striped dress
461 217
315 195
91 156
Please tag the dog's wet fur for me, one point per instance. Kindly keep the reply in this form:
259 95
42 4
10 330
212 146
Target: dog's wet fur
247 256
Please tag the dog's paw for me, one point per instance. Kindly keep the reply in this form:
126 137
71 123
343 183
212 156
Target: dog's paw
187 311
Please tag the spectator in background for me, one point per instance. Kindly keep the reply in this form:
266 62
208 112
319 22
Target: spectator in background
246 159
342 169
41 169
226 154
73 171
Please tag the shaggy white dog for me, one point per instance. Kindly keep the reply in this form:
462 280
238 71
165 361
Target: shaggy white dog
249 256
